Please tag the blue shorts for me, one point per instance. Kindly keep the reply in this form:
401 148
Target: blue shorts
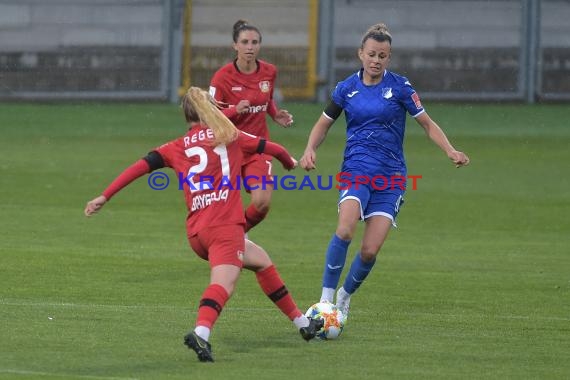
375 202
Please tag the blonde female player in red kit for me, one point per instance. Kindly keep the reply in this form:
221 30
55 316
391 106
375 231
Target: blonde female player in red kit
210 154
245 88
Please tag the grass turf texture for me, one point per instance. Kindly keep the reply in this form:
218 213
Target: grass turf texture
473 284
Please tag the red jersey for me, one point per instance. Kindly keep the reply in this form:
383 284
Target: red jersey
229 86
209 175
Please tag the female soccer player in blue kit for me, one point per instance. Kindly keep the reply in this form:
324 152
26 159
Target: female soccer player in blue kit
375 102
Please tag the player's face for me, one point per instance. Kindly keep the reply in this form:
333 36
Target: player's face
247 45
375 57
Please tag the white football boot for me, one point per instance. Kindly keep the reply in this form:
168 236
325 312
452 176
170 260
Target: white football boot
343 303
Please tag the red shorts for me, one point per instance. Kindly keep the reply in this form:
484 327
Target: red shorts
256 172
220 245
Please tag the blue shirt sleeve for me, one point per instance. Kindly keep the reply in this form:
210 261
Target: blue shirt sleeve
410 99
338 95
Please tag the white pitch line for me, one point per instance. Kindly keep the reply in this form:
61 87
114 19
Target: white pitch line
38 373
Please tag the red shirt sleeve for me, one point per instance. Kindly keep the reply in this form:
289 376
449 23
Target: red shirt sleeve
253 144
230 112
280 153
136 170
272 108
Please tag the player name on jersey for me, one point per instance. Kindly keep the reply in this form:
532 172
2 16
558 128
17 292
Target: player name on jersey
204 200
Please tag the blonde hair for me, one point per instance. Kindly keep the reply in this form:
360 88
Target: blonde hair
199 106
378 32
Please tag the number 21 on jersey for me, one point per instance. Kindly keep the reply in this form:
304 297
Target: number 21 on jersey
204 182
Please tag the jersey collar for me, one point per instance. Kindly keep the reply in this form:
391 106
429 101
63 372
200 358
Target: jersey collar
361 71
258 66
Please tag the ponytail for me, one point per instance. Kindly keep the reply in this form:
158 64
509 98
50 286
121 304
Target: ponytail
199 106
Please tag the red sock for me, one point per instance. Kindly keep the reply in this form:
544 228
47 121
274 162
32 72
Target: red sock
253 217
211 305
274 287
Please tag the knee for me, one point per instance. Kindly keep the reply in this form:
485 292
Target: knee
228 286
368 254
344 233
259 264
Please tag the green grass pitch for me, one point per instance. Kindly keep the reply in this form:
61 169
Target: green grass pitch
474 283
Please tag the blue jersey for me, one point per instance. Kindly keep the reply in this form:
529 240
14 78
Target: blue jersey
375 123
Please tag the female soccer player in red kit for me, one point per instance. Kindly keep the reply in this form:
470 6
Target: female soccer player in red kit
210 155
245 88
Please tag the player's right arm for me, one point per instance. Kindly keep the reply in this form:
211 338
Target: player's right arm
318 135
143 166
217 90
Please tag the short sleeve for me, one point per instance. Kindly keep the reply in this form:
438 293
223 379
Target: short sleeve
411 100
338 95
215 89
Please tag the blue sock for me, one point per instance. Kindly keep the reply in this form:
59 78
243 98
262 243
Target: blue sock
358 272
334 262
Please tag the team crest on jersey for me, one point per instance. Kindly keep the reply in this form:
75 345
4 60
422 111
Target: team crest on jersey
264 86
416 99
387 93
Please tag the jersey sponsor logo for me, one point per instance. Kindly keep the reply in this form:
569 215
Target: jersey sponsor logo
416 99
352 94
257 109
204 200
387 93
264 86
237 88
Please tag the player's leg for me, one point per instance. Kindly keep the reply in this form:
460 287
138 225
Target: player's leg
375 233
257 175
223 248
380 216
349 213
257 260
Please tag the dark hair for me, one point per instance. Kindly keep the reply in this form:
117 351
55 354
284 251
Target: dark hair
378 32
242 25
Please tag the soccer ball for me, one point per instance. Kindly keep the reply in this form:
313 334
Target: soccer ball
333 318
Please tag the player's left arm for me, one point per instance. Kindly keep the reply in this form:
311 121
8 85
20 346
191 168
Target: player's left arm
254 144
280 116
436 134
411 101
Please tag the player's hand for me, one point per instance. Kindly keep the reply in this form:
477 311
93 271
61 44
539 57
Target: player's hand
295 162
286 166
283 118
458 158
308 160
95 205
242 106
